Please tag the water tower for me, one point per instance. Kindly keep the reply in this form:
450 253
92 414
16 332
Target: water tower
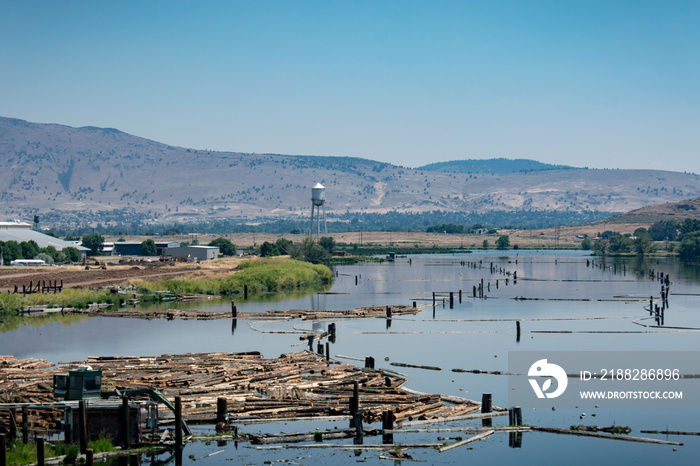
318 200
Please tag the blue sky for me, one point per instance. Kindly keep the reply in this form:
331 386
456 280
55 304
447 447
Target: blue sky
605 84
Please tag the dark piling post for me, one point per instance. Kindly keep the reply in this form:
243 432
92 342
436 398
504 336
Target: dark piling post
319 348
517 330
356 280
511 416
311 343
13 424
245 291
355 398
125 422
221 409
40 444
3 450
358 425
388 312
486 403
133 460
388 424
25 424
518 415
178 421
89 457
328 351
414 304
452 300
369 362
234 311
433 299
474 292
481 289
82 420
460 296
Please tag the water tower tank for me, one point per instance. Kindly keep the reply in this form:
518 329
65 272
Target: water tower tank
318 194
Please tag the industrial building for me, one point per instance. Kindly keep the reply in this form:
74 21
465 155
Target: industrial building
193 252
133 248
21 231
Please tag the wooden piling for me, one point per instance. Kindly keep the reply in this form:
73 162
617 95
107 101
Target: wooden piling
369 362
13 425
89 457
125 422
25 424
486 403
221 409
328 351
178 421
355 398
245 291
40 450
460 296
517 330
234 311
387 424
388 311
452 300
82 425
518 415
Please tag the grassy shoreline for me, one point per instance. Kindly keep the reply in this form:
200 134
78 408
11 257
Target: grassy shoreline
276 275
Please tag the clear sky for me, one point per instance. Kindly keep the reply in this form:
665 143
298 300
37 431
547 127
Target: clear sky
605 84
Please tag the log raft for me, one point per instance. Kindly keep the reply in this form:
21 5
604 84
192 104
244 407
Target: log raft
295 385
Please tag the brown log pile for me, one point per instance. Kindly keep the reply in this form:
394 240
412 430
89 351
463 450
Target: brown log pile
192 314
295 385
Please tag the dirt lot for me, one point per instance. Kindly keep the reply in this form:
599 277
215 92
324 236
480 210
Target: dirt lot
77 276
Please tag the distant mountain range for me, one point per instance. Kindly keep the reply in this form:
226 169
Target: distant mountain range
88 175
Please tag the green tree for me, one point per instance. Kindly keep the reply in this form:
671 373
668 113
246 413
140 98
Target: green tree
29 249
642 244
689 249
328 244
95 243
485 244
56 255
44 257
226 247
72 254
503 242
148 248
268 249
284 246
620 243
600 246
586 244
11 251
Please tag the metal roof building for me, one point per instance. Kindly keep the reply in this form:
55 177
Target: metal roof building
21 231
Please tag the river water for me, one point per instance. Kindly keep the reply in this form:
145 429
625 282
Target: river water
564 300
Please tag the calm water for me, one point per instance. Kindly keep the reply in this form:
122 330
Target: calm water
565 291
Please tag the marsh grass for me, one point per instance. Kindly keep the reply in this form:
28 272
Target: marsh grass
276 275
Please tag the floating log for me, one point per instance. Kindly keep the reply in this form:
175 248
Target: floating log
469 440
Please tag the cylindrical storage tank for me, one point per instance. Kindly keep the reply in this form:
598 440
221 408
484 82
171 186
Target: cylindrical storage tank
318 194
